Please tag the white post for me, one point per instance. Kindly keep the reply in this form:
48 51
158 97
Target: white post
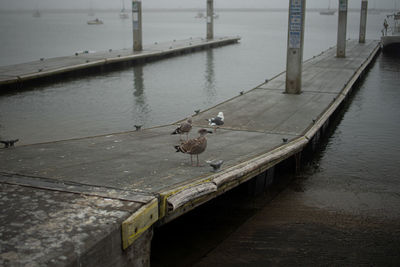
137 25
210 19
342 27
363 21
295 43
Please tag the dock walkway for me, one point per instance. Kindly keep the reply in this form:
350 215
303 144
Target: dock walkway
67 202
14 75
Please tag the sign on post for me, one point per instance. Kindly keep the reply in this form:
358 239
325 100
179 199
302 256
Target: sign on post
342 27
295 46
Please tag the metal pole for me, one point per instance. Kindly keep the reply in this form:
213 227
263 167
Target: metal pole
295 43
342 26
210 19
363 21
137 25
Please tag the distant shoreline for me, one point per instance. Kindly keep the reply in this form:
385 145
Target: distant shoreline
173 10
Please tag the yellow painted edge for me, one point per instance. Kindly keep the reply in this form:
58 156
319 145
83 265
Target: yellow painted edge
139 222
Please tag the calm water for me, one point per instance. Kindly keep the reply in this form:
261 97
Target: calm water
356 173
153 94
341 209
365 145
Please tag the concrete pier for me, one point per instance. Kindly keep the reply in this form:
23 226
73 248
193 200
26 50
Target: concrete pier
97 199
210 19
342 29
363 21
137 25
295 44
14 75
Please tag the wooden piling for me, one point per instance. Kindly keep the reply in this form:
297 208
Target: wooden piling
342 28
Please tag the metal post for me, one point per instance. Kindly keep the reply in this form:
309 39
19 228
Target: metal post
363 21
210 19
137 25
295 43
342 27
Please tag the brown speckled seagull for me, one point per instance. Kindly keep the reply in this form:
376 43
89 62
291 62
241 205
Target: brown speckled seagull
194 146
184 127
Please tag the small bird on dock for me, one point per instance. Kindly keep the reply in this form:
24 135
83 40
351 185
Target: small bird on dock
184 128
138 127
197 111
194 146
9 143
217 121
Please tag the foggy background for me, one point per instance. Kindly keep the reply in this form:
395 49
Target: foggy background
173 4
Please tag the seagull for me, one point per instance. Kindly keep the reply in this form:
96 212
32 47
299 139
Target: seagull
215 164
217 121
194 146
184 127
138 127
9 143
197 111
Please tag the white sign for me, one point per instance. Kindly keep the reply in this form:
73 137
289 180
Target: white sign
295 23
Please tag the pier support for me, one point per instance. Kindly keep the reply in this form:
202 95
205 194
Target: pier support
363 21
210 19
342 27
295 45
137 25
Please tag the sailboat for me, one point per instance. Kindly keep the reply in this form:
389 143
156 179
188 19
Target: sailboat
123 14
37 13
329 11
95 22
390 39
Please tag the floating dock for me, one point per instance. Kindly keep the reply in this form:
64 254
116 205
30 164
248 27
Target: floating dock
95 201
14 76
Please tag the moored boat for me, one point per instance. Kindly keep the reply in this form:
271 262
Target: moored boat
95 22
390 39
328 11
124 13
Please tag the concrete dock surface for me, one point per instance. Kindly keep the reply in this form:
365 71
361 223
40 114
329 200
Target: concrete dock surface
13 75
86 188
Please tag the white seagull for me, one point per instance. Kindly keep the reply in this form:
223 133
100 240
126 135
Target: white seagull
217 121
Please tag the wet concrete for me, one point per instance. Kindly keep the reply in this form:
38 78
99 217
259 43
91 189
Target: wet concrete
11 77
40 227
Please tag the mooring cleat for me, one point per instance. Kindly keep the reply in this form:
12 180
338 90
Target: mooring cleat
9 143
215 164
